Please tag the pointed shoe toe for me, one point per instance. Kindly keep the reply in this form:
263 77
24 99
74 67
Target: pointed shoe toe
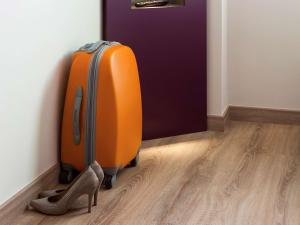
44 206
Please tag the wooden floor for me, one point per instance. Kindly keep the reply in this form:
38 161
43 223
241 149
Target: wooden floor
248 175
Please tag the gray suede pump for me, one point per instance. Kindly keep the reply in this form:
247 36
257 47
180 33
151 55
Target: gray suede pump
87 183
98 171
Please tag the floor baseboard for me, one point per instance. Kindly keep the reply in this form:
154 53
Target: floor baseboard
263 115
218 123
251 114
15 206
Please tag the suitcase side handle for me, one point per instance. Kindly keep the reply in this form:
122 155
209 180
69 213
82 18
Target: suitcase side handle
76 115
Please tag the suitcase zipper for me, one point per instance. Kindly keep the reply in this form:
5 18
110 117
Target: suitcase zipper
92 88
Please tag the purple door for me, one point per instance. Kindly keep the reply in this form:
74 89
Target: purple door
170 46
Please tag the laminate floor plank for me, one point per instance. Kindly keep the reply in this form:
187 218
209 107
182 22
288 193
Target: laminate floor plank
248 175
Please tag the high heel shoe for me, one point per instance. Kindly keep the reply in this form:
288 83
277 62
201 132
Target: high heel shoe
98 171
86 183
100 174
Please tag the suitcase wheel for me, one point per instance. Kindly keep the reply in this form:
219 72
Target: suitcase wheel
135 161
67 176
109 181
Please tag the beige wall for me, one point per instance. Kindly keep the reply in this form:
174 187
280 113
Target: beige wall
264 53
37 38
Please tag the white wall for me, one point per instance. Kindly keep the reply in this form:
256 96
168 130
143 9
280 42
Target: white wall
225 97
37 38
217 57
264 53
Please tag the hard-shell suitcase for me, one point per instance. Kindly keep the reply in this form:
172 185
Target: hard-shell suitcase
102 117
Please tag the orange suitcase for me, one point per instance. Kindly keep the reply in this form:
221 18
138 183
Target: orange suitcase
102 117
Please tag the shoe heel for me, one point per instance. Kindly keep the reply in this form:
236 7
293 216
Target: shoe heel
96 198
90 202
96 195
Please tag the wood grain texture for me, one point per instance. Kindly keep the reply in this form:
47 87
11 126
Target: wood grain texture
247 175
18 203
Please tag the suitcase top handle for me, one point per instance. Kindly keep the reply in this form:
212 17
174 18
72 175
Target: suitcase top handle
93 47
